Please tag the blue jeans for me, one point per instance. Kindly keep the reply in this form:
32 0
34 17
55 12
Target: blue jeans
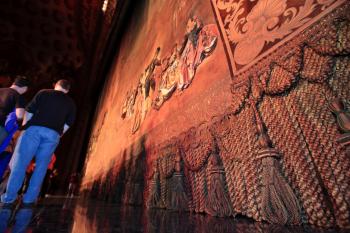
5 215
22 219
36 141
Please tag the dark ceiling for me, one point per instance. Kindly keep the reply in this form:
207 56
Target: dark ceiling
50 39
39 34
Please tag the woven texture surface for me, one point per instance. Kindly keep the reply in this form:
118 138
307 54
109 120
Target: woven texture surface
292 98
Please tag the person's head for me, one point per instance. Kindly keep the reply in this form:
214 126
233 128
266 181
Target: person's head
20 84
62 85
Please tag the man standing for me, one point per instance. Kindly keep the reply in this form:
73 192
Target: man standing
47 117
10 100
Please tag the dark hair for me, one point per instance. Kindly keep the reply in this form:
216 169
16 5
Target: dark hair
65 84
21 81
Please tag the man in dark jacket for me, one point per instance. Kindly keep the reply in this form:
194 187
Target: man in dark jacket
48 116
11 100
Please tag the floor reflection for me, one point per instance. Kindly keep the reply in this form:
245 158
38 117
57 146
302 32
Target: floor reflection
71 215
18 222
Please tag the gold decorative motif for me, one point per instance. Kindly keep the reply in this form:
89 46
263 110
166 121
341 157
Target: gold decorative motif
252 29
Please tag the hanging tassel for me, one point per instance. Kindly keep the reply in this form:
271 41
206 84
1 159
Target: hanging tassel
280 206
166 166
178 198
337 106
154 192
217 202
279 203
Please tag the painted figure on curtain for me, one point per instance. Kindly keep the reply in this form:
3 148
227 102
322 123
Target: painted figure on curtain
138 101
128 105
178 70
170 77
137 109
148 83
199 43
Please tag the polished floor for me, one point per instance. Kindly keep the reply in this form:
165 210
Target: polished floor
59 214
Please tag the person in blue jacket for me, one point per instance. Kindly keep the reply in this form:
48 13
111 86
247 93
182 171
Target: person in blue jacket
11 127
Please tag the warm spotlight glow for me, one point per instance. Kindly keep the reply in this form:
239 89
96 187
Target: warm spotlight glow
104 6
